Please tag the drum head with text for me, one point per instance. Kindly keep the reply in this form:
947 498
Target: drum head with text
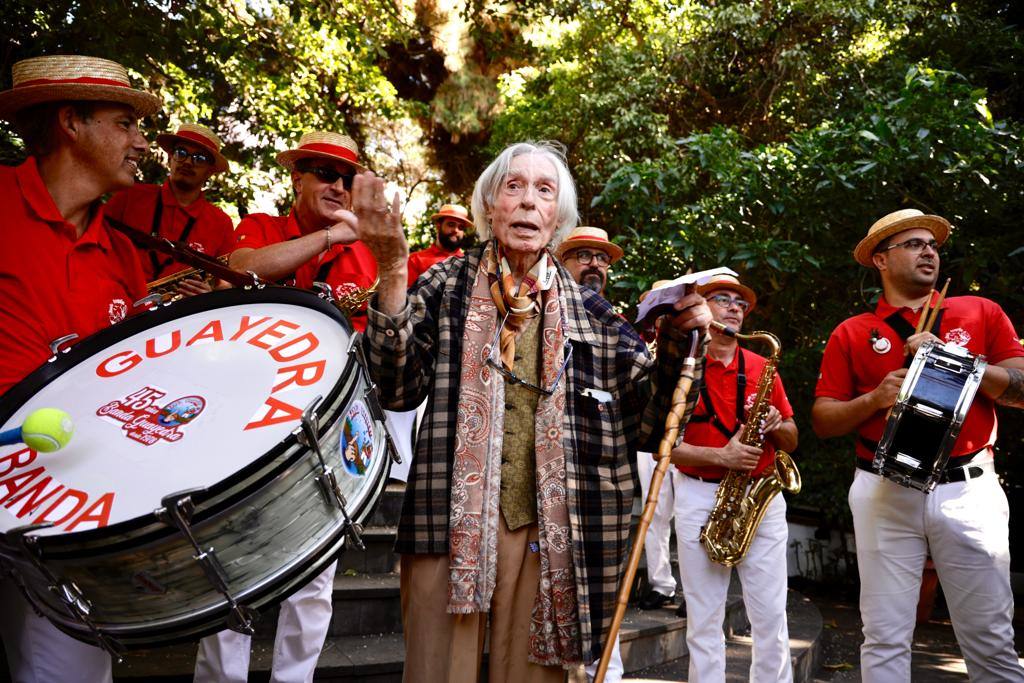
175 399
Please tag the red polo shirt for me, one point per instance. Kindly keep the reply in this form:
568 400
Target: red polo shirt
420 261
347 268
211 231
851 367
722 383
52 282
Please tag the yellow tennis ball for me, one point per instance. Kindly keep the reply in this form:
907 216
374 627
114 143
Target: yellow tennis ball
47 430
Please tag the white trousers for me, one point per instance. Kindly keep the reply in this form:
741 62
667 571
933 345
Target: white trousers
37 652
964 526
615 671
301 630
656 546
706 587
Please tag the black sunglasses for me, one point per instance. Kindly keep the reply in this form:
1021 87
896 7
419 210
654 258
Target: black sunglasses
328 174
198 158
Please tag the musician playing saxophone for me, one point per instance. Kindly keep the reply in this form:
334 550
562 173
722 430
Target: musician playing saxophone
178 210
711 446
963 521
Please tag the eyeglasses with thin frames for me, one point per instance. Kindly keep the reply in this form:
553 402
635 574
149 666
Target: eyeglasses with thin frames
725 301
198 158
915 245
585 256
494 360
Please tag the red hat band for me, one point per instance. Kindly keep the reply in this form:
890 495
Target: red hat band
335 150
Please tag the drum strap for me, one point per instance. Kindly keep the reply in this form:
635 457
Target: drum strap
154 230
741 391
898 324
951 464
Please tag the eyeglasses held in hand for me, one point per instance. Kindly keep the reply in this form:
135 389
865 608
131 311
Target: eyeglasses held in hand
915 245
198 158
585 256
329 175
494 360
725 301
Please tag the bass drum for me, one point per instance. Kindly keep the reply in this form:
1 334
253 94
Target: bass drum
225 448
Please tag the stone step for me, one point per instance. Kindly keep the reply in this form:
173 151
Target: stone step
363 603
647 638
389 507
379 556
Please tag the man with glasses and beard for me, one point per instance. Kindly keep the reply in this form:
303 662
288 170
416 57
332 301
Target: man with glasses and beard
313 243
963 521
451 223
587 253
177 209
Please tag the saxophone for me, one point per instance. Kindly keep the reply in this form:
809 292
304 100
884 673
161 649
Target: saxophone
351 303
167 287
739 505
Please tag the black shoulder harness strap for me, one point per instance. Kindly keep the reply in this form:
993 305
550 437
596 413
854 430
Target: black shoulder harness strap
741 397
154 230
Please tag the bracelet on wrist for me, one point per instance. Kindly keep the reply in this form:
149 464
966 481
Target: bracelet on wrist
327 234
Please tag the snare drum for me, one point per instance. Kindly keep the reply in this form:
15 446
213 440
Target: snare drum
206 479
929 411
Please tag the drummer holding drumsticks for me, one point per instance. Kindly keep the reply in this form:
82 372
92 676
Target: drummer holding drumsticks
62 270
963 521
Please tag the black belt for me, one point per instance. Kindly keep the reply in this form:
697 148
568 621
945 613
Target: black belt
713 480
949 475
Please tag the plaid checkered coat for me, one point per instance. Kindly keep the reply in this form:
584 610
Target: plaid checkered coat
417 354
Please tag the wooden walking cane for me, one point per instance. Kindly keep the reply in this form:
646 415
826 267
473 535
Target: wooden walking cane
672 424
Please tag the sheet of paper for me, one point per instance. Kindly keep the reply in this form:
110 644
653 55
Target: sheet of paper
673 291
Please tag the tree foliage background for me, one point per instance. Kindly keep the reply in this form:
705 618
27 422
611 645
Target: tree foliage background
765 135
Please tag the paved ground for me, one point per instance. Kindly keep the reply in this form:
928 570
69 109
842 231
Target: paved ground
936 655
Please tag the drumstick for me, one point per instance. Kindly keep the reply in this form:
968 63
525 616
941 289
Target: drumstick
924 313
935 309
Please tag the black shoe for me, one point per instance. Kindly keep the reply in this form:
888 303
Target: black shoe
654 600
681 610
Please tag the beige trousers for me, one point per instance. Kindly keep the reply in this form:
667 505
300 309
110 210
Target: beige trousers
448 648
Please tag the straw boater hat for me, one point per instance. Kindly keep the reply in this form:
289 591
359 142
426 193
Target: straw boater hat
897 222
455 211
60 78
589 237
731 283
322 145
197 135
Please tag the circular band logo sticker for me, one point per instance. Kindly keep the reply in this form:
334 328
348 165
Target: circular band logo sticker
357 440
181 411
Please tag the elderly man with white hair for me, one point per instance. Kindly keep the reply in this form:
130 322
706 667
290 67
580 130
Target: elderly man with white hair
517 511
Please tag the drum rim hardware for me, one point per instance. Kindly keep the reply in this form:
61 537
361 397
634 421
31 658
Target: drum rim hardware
308 434
952 359
176 510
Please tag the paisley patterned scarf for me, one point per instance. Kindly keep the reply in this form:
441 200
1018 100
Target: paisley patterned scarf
476 473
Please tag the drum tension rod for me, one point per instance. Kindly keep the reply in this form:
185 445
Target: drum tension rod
176 511
372 399
67 592
308 435
58 344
